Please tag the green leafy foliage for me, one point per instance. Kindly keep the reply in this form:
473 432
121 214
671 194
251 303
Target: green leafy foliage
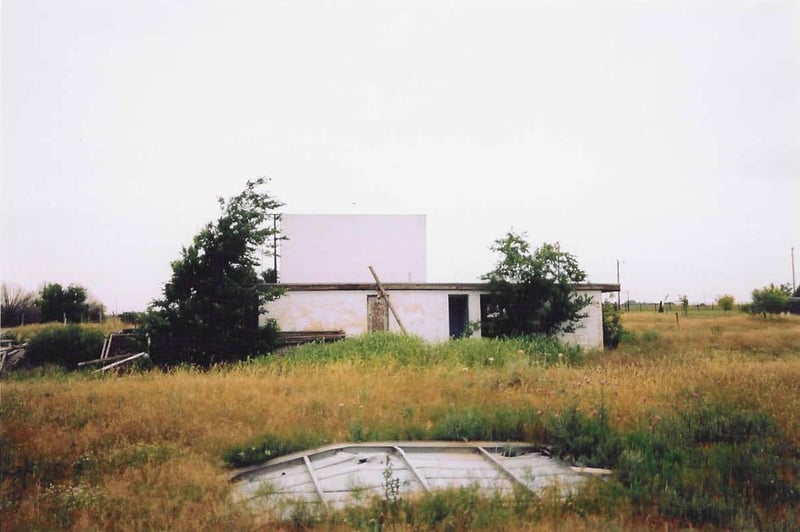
385 348
684 299
210 308
533 292
475 424
710 465
726 302
64 346
613 331
587 440
58 303
771 299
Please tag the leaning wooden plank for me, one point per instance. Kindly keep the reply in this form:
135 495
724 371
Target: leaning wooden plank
388 301
123 361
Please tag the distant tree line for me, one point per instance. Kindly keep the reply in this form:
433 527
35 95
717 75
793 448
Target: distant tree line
53 302
769 300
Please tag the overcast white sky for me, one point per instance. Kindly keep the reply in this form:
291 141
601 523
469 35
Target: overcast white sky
665 134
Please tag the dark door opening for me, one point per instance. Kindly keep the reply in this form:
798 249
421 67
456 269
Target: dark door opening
458 309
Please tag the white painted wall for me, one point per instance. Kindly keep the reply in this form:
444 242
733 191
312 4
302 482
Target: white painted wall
423 312
589 333
339 248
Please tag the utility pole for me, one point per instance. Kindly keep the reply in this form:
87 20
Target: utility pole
794 286
619 302
275 246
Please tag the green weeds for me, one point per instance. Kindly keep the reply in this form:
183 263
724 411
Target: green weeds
405 351
711 465
269 446
586 440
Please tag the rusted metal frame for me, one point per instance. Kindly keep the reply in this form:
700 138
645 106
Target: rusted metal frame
503 469
413 469
109 340
388 301
314 479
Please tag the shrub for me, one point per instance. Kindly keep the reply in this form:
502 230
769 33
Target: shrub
64 346
585 440
771 299
612 326
725 302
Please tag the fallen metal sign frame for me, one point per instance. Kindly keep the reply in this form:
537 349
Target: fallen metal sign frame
126 360
337 476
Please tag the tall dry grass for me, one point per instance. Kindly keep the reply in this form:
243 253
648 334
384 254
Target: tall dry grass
144 451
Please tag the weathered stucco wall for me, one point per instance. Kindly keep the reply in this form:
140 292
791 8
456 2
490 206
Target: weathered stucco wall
424 313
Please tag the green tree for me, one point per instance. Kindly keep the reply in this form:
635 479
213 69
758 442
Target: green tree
726 302
771 299
684 299
57 303
533 292
210 307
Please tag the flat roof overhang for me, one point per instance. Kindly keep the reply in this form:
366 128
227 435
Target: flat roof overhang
439 287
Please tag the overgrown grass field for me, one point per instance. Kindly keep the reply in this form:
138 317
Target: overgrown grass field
700 421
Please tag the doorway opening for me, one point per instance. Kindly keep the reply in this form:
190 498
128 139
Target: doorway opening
458 309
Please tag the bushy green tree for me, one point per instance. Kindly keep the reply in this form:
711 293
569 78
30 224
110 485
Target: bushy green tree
726 302
210 307
533 291
771 299
58 303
